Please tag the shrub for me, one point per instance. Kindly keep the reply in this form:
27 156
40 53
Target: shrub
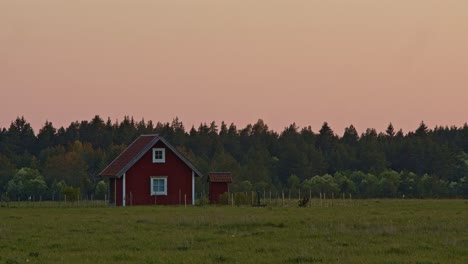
101 190
242 199
5 199
71 194
224 198
303 202
202 201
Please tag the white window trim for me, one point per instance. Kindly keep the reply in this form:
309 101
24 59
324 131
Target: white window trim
163 159
193 188
165 185
123 190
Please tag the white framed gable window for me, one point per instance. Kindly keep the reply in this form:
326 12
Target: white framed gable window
159 155
159 185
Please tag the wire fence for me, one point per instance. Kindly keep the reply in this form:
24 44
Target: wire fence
33 202
248 198
269 198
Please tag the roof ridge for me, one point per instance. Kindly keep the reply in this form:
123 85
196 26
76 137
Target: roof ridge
132 153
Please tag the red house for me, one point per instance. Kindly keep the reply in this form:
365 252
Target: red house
218 184
151 171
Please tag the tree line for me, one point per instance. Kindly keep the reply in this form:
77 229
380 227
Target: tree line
425 163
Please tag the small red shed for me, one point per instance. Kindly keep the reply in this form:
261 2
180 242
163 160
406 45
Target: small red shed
218 184
151 171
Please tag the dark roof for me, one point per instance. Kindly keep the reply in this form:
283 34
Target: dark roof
219 177
135 151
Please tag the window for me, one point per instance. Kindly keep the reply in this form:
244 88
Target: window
158 185
159 155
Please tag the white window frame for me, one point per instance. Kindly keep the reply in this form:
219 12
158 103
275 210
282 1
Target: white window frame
164 178
162 159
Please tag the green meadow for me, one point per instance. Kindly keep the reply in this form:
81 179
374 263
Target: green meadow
357 231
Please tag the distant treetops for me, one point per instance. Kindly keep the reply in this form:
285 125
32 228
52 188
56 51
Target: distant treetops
424 163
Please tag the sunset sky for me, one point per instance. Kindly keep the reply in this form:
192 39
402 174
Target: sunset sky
360 62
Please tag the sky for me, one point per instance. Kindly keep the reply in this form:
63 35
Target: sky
360 62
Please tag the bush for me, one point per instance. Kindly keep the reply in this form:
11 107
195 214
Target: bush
224 198
101 190
303 202
71 194
202 201
242 199
4 199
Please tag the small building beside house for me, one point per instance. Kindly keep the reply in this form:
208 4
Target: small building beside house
218 184
151 171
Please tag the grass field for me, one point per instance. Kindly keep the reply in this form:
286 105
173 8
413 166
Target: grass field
365 231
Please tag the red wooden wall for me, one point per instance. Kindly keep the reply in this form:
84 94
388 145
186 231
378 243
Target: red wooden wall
179 180
216 189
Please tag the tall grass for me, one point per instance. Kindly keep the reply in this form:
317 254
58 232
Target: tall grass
370 231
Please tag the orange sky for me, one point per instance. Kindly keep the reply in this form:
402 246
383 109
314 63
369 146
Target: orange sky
361 62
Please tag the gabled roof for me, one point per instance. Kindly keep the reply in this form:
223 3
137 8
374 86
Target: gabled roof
135 151
219 177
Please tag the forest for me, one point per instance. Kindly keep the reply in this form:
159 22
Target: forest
424 163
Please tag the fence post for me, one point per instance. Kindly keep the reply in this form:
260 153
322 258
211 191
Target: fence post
283 197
